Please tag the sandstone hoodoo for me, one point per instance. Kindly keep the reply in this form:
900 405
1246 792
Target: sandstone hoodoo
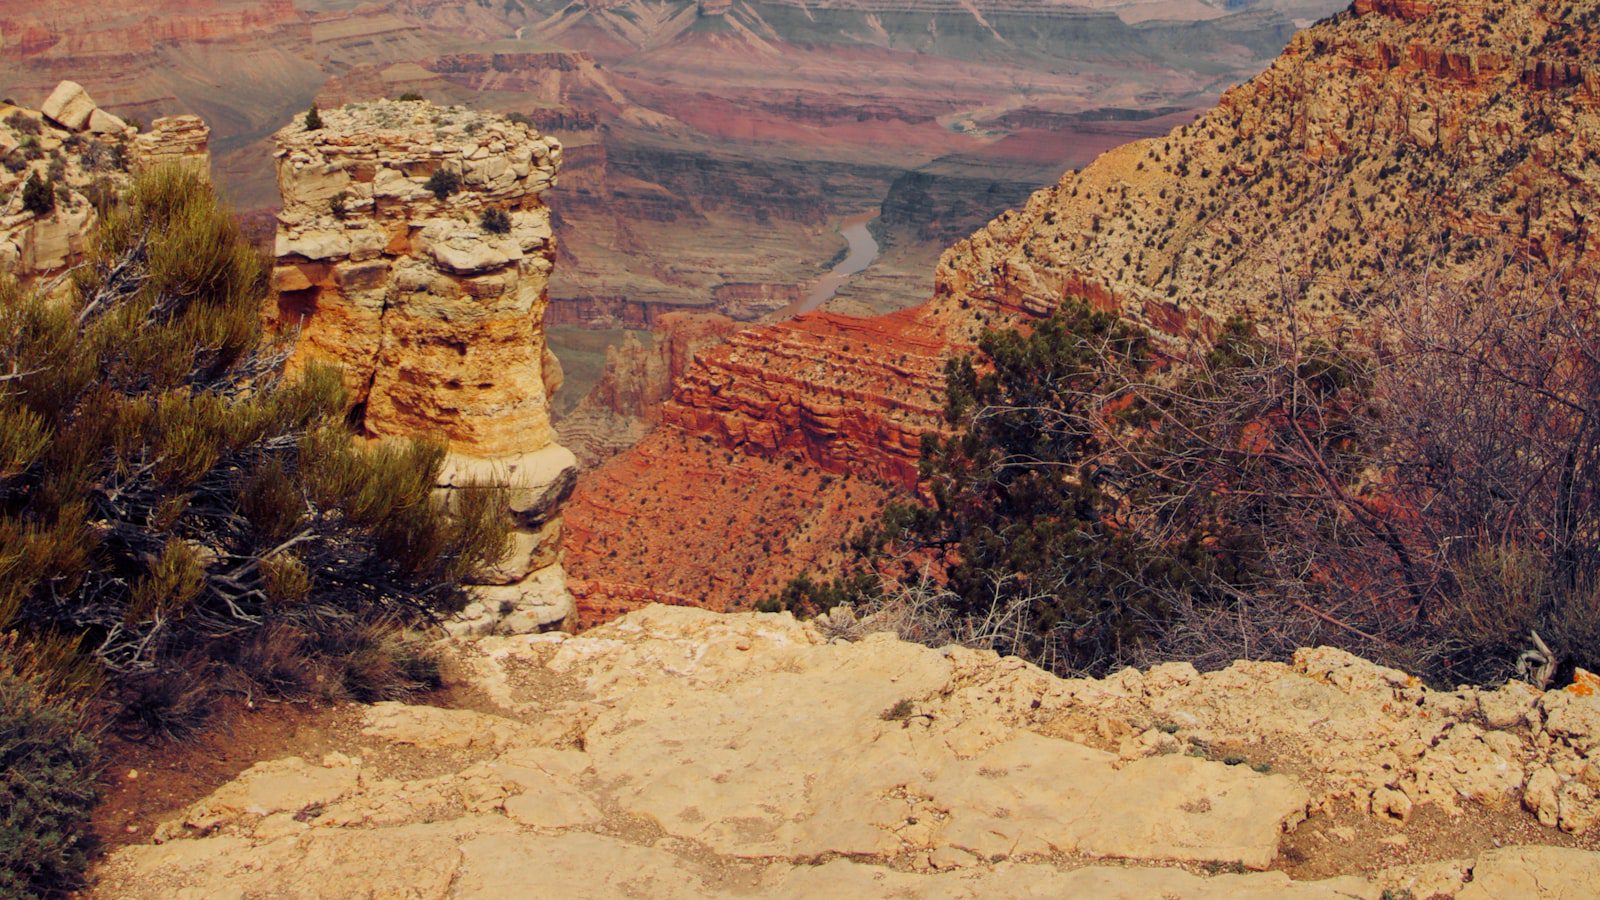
414 250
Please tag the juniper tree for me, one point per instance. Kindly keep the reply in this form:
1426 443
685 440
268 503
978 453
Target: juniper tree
170 497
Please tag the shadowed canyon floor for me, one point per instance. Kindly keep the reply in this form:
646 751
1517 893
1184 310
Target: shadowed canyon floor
678 752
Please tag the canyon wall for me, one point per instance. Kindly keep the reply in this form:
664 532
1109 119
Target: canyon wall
414 249
627 401
1390 137
77 152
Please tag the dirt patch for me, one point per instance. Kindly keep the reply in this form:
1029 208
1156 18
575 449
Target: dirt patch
1352 843
146 782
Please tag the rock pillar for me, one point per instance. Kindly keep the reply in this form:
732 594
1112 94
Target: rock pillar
414 250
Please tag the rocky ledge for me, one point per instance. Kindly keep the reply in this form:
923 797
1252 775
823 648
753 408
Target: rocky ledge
79 152
679 752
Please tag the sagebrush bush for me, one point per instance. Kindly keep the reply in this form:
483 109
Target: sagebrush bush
39 195
171 496
443 183
49 765
495 220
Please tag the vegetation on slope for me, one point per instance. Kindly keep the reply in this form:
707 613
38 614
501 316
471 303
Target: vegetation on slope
1430 498
179 519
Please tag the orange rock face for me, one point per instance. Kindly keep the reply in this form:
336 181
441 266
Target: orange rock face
414 250
680 515
1392 134
846 395
775 448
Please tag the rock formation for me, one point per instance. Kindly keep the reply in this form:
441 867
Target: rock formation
415 251
77 151
637 380
1386 136
677 752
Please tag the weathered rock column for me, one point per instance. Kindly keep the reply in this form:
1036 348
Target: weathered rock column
413 249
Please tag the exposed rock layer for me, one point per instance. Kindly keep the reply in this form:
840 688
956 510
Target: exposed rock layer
1388 135
77 150
678 752
415 251
637 380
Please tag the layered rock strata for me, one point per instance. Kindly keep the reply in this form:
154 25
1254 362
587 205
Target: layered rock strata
678 752
415 251
76 150
1390 137
626 402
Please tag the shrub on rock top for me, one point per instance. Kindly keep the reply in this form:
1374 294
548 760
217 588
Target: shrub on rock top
443 183
495 220
39 195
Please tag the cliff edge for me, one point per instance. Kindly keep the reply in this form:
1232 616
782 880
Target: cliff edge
679 752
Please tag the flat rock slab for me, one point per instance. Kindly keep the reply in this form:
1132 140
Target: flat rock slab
683 753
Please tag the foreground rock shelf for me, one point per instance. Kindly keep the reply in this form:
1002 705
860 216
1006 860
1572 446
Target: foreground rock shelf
678 752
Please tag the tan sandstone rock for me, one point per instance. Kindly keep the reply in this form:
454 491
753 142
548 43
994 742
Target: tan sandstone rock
681 753
435 312
69 106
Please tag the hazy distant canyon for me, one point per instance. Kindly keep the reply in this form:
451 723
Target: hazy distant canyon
715 149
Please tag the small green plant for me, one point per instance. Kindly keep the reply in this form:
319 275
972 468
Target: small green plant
313 118
39 195
47 785
412 97
339 205
495 220
443 183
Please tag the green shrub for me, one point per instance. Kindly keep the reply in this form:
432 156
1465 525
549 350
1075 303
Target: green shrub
171 496
39 195
313 121
411 97
48 771
443 183
495 220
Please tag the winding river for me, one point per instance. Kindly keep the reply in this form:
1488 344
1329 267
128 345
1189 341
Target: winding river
863 249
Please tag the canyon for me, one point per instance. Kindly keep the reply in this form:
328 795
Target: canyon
1386 138
712 148
679 751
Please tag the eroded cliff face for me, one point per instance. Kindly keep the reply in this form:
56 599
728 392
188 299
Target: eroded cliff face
626 402
1391 134
77 151
682 753
415 251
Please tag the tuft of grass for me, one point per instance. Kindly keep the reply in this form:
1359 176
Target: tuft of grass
899 712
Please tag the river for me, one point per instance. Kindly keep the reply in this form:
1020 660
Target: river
863 249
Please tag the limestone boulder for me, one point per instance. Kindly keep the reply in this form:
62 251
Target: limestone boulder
102 122
69 106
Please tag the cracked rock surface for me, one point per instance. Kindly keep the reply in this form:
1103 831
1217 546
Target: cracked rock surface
679 752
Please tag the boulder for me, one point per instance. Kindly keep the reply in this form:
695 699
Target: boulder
69 106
